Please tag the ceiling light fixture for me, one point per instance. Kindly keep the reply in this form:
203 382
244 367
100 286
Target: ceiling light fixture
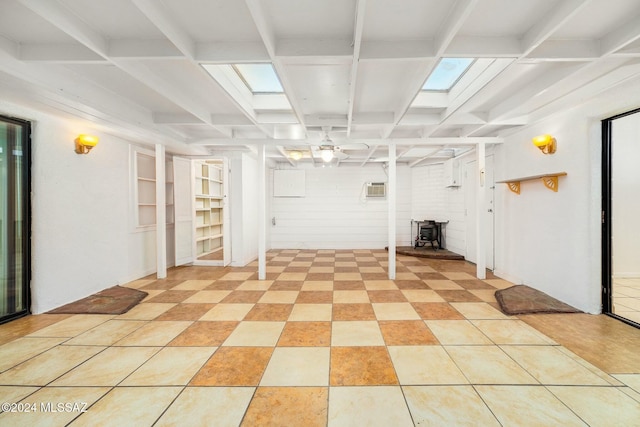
295 154
326 152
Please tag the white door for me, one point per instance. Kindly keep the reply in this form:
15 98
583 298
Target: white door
470 182
183 204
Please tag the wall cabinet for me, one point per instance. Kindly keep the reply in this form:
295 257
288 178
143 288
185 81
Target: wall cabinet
452 173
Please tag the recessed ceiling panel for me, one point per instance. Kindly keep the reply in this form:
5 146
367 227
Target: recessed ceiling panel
19 24
597 18
499 18
307 19
404 20
321 89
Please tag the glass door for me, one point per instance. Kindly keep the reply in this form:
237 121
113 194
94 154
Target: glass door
14 218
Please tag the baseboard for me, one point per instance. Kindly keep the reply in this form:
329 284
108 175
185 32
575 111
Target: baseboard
505 276
626 276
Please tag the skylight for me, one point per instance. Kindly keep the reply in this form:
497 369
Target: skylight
447 73
259 78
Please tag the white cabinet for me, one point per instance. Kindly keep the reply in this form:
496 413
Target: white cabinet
452 173
209 207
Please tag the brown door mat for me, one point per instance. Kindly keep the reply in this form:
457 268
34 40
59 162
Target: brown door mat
522 299
115 300
427 252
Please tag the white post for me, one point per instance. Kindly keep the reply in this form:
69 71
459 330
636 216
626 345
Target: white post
391 198
481 222
161 213
262 214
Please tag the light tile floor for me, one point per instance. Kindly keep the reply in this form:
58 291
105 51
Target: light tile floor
626 298
327 340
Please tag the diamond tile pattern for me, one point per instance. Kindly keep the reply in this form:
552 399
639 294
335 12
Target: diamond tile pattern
328 339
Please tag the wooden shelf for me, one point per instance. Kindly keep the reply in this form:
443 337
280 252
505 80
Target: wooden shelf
550 180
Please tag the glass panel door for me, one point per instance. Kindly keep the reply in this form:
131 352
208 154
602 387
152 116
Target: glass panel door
14 218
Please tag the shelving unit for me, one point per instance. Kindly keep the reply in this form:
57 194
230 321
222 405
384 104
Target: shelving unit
209 198
146 190
550 180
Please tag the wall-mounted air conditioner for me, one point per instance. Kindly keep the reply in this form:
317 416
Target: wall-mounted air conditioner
376 189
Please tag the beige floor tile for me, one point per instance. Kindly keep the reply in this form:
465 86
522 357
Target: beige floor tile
146 311
207 297
350 297
13 394
346 264
292 276
228 312
317 285
448 406
283 259
395 311
170 366
321 270
600 406
193 285
255 285
128 406
347 276
155 334
486 295
631 380
457 332
478 310
417 365
420 269
255 334
420 295
592 368
442 285
107 368
137 284
406 276
382 406
311 312
499 283
151 293
380 285
369 258
551 367
488 365
107 333
238 275
356 333
297 366
72 326
371 269
279 297
457 275
300 264
46 402
527 406
22 349
511 332
275 269
48 366
198 406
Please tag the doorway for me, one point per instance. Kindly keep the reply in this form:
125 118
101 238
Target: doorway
620 212
470 201
15 218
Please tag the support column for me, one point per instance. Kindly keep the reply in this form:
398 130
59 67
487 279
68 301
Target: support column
161 213
391 198
481 214
262 213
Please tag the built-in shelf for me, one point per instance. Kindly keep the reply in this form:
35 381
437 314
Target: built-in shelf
550 180
209 207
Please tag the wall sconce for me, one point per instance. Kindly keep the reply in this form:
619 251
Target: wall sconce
295 154
84 143
546 143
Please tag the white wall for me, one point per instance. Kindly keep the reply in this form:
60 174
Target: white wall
82 240
244 209
334 213
551 241
625 189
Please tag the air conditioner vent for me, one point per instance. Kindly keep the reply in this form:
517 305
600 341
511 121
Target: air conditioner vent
376 189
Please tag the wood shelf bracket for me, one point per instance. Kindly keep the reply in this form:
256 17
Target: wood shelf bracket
549 180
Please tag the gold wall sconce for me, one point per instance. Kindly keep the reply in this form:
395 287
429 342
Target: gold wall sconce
84 143
546 143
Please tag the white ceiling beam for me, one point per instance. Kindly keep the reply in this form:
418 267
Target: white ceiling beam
372 118
547 25
449 28
176 119
326 120
620 37
451 141
231 52
369 154
315 51
277 117
566 50
284 154
418 119
59 53
431 100
484 47
231 120
265 29
423 158
396 50
357 43
143 49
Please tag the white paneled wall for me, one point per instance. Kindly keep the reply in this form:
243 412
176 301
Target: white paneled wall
334 214
431 200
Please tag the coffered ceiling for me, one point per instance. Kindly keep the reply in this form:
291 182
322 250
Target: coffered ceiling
352 71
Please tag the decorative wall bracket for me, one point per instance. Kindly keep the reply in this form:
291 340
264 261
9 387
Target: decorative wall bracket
550 180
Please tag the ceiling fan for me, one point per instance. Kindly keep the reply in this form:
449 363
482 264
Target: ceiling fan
328 151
